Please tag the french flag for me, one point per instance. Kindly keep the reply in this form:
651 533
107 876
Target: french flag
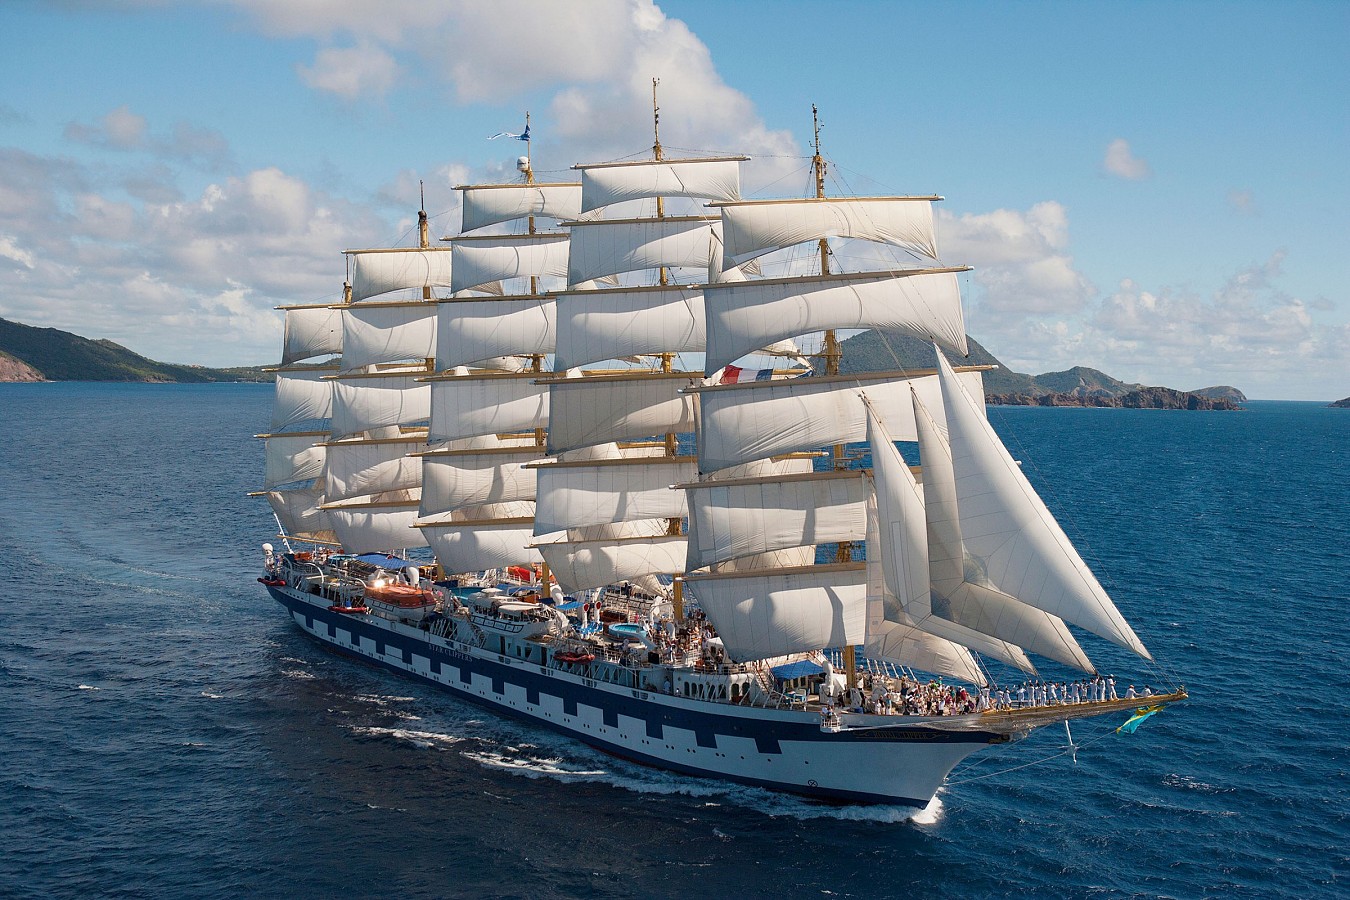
737 375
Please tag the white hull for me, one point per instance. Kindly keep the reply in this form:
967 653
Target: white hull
781 749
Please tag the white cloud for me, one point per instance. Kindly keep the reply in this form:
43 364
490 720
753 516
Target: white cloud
1121 161
10 250
351 72
120 129
593 58
183 281
1020 258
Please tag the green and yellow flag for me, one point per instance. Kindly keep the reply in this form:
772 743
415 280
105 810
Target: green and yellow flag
1139 716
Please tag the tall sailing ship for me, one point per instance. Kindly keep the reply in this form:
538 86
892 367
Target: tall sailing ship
729 572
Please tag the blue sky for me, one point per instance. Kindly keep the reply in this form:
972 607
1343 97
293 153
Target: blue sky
1157 190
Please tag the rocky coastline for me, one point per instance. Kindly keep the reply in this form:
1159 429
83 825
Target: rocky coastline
1144 398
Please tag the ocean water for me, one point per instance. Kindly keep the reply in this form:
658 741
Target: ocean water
167 733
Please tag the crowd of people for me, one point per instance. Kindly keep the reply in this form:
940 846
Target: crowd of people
1058 693
906 696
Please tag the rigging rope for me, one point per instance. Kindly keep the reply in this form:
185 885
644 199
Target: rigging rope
1071 749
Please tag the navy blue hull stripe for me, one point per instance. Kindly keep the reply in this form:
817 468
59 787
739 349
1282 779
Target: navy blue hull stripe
705 725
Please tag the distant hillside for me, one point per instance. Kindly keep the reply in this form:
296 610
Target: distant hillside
1342 404
48 354
1223 391
870 351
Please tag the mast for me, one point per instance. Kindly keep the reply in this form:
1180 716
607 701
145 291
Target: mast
831 352
536 359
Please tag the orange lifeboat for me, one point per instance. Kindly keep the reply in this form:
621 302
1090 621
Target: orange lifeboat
402 595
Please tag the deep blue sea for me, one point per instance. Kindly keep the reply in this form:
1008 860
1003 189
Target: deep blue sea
166 732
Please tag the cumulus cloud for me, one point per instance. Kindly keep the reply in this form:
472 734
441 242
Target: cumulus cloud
125 130
351 72
1020 258
1121 162
120 129
181 280
594 59
1247 332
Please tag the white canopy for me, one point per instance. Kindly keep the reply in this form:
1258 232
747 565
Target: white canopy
302 395
487 258
499 403
746 315
581 565
603 408
311 331
367 525
615 324
380 271
713 178
297 456
756 227
387 332
363 402
759 419
613 246
760 615
1006 526
574 495
471 331
734 518
491 204
362 467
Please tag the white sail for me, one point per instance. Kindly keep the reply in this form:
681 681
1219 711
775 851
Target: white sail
759 419
499 403
897 543
771 559
387 332
729 519
366 401
376 272
295 456
374 524
302 395
361 467
574 495
613 246
755 227
1006 526
482 537
910 646
707 178
299 513
960 591
471 331
482 259
311 331
492 204
615 324
456 479
744 316
586 411
581 565
764 614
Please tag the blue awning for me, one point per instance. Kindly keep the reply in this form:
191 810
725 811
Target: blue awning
384 560
799 669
